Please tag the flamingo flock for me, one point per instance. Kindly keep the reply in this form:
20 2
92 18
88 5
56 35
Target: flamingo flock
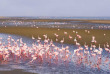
48 52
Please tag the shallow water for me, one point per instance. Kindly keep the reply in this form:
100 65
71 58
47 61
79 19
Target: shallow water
46 68
64 24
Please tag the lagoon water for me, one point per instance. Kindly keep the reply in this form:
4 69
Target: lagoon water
72 68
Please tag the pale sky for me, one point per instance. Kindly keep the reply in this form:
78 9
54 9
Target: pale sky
86 8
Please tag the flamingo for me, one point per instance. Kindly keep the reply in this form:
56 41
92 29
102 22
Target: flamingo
85 30
70 37
18 50
65 33
62 41
58 29
39 38
88 32
56 39
73 31
45 36
33 38
75 40
56 34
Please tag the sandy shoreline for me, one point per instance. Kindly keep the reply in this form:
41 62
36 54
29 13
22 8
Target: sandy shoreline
29 32
99 21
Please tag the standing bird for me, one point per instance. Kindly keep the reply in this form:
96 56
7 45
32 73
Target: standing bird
62 41
33 38
65 33
70 37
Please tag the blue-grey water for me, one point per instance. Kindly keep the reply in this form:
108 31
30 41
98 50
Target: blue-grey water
72 68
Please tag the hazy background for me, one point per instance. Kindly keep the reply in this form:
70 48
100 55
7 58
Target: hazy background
92 8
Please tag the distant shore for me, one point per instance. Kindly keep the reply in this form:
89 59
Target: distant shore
58 20
99 21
